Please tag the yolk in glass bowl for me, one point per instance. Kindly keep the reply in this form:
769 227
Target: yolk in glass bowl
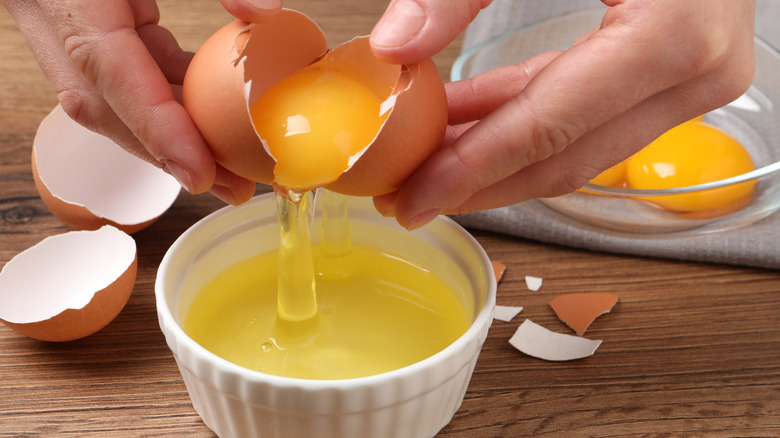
615 176
690 154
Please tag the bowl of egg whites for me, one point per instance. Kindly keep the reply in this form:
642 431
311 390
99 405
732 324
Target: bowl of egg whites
716 172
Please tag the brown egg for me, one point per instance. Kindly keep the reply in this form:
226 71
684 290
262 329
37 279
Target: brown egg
70 285
87 180
240 61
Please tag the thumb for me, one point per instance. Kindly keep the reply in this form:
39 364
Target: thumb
413 30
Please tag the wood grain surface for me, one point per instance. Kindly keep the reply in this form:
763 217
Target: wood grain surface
689 350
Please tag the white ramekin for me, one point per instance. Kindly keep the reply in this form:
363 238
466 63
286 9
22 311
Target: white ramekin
414 401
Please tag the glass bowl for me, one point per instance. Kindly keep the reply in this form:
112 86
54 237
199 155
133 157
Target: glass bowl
753 119
414 401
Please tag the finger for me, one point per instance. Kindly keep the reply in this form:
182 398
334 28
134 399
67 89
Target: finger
385 204
105 48
252 10
162 45
413 30
476 97
231 188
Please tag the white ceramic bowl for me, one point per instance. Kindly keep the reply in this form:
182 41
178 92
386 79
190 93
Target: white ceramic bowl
753 119
414 401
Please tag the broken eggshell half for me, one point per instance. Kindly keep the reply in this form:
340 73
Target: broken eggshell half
242 60
69 285
87 181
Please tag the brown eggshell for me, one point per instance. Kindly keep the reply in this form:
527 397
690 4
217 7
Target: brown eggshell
88 181
412 132
578 310
70 285
241 61
215 90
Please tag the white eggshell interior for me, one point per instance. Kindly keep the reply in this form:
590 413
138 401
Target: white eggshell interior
85 168
506 313
63 272
537 341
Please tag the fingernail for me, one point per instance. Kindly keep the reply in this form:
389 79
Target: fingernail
180 173
224 193
266 4
423 218
399 25
385 211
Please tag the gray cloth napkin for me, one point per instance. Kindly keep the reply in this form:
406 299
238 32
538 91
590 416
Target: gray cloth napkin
756 245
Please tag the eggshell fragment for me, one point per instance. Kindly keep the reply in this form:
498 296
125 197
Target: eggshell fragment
506 313
579 310
537 341
70 285
498 270
533 283
87 180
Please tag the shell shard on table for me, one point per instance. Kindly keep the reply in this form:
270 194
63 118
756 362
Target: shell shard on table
578 310
537 341
533 283
506 313
498 269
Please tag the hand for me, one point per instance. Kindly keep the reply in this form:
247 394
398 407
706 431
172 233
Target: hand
117 72
546 126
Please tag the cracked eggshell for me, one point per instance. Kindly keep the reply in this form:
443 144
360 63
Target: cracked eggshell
87 181
240 61
70 285
414 129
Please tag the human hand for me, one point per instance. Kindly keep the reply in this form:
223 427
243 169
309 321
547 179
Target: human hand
119 73
546 126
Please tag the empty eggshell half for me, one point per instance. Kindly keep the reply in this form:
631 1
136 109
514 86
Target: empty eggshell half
87 181
241 60
70 285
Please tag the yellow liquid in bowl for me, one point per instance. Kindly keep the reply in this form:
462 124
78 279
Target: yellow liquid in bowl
386 313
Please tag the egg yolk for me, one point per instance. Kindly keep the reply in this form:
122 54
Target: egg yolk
615 176
313 122
690 154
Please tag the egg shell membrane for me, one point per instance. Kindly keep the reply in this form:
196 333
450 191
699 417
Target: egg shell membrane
88 181
88 279
414 129
231 69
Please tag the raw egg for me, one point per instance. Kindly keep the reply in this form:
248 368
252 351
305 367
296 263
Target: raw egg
276 106
691 154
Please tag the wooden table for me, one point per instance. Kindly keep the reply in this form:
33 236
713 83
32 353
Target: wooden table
690 349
